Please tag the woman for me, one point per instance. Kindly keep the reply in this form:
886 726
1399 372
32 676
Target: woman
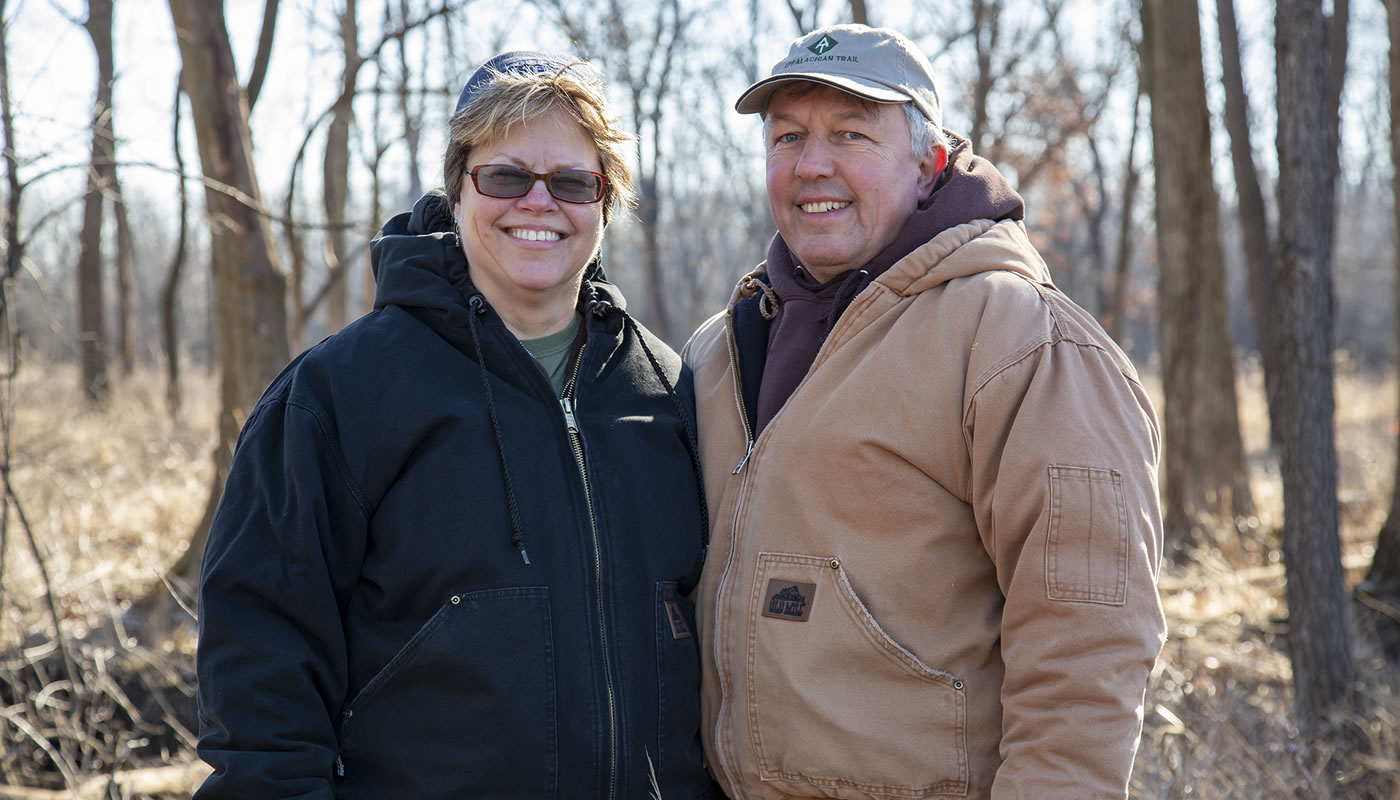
454 552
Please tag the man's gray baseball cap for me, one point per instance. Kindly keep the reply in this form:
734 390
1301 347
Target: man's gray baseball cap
878 64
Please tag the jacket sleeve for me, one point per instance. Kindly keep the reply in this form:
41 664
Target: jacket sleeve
1064 447
284 549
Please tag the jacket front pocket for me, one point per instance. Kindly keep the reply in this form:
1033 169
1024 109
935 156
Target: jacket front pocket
836 707
465 709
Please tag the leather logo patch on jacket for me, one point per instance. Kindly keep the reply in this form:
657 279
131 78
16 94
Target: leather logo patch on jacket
789 599
679 630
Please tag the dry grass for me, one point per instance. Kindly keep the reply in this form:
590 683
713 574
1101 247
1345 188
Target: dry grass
112 495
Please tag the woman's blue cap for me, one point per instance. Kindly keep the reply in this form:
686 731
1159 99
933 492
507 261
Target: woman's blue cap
519 61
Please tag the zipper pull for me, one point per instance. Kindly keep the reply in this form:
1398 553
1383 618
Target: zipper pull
748 451
567 403
339 767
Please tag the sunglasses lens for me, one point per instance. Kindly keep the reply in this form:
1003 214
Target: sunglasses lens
502 181
570 185
576 186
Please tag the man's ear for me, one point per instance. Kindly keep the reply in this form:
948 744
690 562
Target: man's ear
929 171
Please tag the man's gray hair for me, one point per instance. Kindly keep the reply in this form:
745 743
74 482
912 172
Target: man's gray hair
924 136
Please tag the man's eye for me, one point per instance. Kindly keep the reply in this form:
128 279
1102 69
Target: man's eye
853 135
785 138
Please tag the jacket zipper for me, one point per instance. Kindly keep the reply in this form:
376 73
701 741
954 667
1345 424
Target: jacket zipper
733 538
738 390
566 402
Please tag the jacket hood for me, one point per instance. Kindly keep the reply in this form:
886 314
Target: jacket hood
417 262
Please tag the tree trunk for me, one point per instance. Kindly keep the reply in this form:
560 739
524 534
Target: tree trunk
335 175
1382 583
126 342
1258 257
169 294
249 291
1205 472
649 215
986 23
11 243
412 120
1319 630
92 336
859 13
1114 309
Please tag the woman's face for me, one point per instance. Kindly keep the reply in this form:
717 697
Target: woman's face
527 253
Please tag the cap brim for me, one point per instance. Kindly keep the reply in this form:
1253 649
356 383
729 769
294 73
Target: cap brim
755 98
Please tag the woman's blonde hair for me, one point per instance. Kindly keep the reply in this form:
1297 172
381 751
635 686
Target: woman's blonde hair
519 96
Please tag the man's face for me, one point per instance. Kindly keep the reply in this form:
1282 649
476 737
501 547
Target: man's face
842 180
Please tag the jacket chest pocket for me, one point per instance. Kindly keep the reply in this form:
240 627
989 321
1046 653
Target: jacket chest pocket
467 708
836 707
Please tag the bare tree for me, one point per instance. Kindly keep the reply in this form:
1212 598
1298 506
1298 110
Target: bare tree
250 316
92 336
641 54
806 17
1381 588
264 54
1030 95
410 113
11 241
335 172
1319 634
126 341
169 309
1203 455
1113 310
1253 220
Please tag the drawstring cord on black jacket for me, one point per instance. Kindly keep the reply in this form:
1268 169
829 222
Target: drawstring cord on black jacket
599 308
517 532
693 448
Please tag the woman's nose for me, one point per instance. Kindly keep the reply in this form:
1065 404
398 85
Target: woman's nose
538 196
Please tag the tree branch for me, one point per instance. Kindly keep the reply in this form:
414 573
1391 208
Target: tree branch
264 55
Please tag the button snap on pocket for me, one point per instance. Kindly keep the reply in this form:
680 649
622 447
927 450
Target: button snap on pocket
958 685
456 599
836 563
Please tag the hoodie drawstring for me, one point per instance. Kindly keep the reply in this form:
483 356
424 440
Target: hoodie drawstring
599 308
693 448
517 532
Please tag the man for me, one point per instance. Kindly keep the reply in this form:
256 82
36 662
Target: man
932 476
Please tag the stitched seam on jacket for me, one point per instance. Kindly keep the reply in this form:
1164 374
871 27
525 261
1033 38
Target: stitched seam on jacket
322 427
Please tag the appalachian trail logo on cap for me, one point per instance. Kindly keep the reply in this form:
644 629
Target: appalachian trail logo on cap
823 45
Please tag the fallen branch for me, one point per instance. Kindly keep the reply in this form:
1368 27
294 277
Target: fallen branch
181 779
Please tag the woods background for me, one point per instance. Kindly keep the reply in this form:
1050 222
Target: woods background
183 213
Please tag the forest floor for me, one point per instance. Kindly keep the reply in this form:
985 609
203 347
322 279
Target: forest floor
110 498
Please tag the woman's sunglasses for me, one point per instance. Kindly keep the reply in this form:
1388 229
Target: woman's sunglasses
565 185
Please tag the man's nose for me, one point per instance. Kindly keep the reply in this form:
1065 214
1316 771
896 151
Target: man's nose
817 160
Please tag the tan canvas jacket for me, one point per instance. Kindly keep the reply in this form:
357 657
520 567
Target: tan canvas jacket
934 573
